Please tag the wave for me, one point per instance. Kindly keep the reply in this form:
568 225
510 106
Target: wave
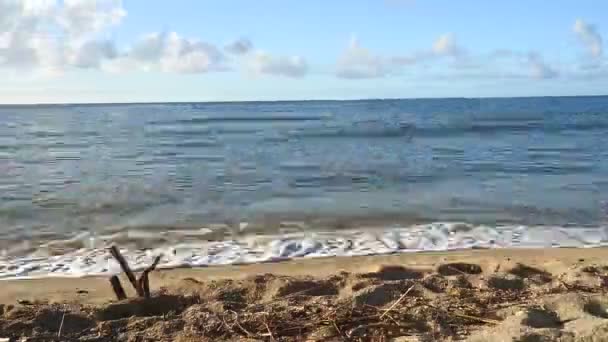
177 131
497 127
191 143
536 168
85 254
412 130
241 119
365 129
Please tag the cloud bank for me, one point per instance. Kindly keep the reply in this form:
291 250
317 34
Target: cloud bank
358 62
240 46
53 36
288 66
590 37
445 58
49 35
169 52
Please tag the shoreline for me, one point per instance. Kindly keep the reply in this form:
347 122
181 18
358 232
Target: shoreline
60 288
209 246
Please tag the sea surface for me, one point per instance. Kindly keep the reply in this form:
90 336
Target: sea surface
218 183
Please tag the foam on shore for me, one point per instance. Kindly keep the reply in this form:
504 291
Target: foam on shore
87 255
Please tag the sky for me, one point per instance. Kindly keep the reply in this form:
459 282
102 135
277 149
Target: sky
79 51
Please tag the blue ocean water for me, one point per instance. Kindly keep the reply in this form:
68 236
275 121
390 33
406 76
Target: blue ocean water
67 170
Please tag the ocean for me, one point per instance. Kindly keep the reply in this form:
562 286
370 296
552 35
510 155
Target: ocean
219 183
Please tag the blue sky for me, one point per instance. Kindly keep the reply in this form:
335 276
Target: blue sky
194 50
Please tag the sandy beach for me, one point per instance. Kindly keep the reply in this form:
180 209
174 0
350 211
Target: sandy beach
474 295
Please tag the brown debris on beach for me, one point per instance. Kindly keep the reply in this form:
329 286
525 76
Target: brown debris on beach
449 301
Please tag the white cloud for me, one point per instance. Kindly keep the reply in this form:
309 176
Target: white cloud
288 66
58 35
170 52
92 53
48 35
404 60
14 52
82 17
52 36
538 68
8 11
122 65
589 36
149 47
240 46
446 45
20 39
359 62
505 63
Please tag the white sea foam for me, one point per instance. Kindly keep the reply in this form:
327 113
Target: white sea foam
88 256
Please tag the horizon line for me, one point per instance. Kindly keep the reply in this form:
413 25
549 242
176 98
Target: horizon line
40 104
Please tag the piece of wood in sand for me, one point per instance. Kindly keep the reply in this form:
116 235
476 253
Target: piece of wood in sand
119 291
125 267
144 281
144 285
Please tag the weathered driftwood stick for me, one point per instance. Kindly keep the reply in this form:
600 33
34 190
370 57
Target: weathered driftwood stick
154 264
144 282
144 285
141 285
117 287
125 267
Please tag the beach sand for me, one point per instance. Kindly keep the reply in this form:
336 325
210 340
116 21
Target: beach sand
475 295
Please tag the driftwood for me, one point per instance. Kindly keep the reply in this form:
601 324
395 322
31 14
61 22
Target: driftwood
117 287
143 282
125 267
141 285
